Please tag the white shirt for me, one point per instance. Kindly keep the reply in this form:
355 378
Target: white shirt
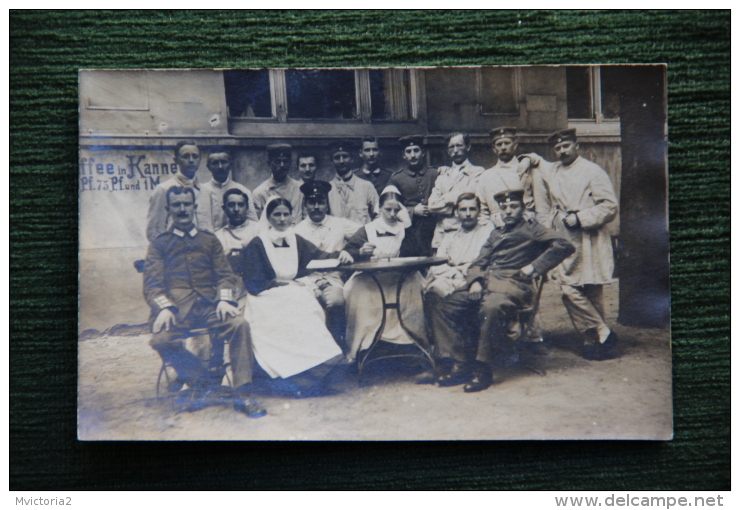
501 177
237 238
452 182
354 199
289 189
460 248
330 235
210 212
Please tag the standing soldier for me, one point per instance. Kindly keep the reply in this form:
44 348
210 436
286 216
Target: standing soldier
187 157
350 197
307 165
508 173
370 169
415 182
210 212
576 199
461 177
280 157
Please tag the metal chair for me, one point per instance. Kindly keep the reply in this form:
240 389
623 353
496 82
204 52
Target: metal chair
165 386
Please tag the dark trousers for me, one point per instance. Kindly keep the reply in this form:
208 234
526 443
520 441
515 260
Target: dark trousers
452 318
453 324
235 331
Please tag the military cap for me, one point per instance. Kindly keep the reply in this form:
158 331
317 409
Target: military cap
564 135
315 189
510 195
341 146
411 140
502 132
278 149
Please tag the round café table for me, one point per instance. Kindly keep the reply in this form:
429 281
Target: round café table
405 266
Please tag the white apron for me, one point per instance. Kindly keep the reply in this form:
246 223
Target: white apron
287 323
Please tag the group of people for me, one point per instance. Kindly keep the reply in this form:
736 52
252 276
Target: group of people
237 261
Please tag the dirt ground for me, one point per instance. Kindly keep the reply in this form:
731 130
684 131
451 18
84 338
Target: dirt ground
624 398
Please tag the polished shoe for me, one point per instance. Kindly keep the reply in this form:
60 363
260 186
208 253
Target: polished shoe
479 382
602 351
459 374
250 407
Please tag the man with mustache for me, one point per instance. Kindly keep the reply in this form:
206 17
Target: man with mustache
461 177
370 169
576 199
210 212
508 173
415 182
330 235
499 282
187 158
307 165
350 197
280 158
189 284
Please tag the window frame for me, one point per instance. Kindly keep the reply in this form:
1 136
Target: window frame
597 125
363 102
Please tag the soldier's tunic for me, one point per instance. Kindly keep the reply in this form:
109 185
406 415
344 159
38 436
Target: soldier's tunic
501 177
289 189
378 177
210 213
158 219
416 188
354 199
451 182
497 267
188 273
584 188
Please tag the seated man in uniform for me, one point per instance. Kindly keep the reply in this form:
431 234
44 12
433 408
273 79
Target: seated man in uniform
189 284
329 234
499 283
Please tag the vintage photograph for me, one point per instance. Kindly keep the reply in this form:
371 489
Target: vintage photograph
440 253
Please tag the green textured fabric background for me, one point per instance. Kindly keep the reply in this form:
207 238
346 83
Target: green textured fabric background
47 49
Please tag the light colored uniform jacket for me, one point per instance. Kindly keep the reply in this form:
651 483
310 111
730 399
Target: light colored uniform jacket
451 182
584 188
